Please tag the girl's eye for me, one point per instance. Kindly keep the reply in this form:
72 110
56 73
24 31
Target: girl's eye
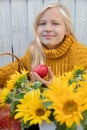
55 23
42 24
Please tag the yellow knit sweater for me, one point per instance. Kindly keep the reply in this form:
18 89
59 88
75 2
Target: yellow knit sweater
62 59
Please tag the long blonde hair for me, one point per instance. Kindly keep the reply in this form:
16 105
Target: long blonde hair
37 54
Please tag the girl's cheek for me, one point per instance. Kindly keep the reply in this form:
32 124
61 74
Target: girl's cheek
39 30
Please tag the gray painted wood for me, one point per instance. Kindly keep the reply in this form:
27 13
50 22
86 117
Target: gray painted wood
5 31
81 20
19 26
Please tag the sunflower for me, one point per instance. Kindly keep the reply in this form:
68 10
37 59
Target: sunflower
85 76
83 88
31 108
14 78
57 87
68 105
3 95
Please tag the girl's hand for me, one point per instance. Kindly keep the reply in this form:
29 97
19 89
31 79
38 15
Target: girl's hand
36 77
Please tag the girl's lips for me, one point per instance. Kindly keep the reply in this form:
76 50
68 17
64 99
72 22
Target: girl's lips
48 36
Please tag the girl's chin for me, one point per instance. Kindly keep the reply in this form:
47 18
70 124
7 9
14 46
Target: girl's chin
46 45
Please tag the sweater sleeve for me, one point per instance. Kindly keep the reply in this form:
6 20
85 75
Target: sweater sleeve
79 54
6 71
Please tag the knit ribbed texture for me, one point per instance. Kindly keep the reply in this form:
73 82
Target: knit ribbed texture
62 59
59 59
68 54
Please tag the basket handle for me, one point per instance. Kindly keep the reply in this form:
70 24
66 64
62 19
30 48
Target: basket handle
20 64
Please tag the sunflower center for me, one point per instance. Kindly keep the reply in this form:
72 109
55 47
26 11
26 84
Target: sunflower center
69 107
40 112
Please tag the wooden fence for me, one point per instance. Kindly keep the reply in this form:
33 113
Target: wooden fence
16 23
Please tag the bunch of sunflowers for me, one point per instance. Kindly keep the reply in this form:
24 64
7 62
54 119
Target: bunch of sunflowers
64 102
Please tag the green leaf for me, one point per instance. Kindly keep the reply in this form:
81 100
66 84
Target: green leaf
36 85
60 127
47 104
19 95
64 127
28 88
78 78
79 72
8 99
23 125
51 117
13 107
84 124
70 81
73 127
20 82
84 114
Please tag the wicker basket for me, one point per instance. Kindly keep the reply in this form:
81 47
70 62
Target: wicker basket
2 71
20 64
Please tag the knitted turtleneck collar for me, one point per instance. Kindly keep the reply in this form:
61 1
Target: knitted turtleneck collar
61 49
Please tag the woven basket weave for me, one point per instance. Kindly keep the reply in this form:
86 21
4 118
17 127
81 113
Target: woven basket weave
20 64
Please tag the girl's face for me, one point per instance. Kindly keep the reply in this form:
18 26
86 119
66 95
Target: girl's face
51 28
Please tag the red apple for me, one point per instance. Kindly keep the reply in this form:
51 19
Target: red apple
41 70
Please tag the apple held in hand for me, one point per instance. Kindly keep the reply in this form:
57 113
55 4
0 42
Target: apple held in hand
41 70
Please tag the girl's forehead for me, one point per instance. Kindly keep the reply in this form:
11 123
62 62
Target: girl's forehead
51 13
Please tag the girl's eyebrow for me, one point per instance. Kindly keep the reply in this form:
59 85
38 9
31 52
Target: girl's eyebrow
45 20
42 20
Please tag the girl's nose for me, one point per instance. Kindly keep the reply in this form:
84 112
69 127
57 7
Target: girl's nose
48 27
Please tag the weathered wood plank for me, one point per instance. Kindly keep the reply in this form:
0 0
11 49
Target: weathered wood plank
5 31
81 20
34 6
19 27
46 2
70 4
